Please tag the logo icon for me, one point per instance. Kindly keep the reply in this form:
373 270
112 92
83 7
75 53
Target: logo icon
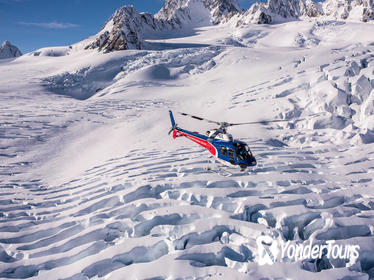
271 250
268 249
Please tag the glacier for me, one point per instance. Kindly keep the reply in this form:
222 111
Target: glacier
92 187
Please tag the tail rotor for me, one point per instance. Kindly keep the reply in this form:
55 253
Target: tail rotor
172 129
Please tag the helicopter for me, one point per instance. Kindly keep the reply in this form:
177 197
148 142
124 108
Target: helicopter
219 143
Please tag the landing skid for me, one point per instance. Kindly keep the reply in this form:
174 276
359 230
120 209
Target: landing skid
220 172
217 170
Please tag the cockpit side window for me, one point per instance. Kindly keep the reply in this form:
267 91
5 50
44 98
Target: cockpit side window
243 152
248 150
231 153
223 151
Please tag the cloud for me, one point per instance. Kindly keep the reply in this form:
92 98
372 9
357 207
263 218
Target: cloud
50 25
12 1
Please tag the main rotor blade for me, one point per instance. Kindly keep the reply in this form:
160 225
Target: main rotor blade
198 118
259 122
225 124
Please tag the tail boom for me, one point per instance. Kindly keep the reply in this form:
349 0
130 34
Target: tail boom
193 136
197 138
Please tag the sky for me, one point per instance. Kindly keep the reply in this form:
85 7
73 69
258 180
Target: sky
33 24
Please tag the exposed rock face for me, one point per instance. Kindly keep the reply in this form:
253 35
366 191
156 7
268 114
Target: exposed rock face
343 9
121 32
277 10
222 10
126 27
7 50
368 9
311 9
257 13
190 11
362 10
294 9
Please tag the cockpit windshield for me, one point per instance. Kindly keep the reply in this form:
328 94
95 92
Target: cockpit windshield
243 152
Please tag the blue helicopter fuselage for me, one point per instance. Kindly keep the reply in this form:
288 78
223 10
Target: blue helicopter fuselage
233 152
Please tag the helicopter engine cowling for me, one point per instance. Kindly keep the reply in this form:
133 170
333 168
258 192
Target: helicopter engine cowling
220 135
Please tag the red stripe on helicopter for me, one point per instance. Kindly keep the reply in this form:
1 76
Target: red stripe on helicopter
197 140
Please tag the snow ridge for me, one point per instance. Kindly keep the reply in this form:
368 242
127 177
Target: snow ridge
282 10
182 11
356 9
7 50
127 28
121 32
96 189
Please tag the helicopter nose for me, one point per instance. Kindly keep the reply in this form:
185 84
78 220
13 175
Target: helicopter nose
252 161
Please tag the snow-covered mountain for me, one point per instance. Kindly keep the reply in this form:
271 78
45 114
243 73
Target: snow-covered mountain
283 10
280 10
93 187
198 12
7 50
126 28
362 10
121 32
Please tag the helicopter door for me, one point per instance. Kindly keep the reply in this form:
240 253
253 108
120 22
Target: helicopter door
232 156
223 151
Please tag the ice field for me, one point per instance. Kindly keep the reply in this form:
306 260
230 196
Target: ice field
92 187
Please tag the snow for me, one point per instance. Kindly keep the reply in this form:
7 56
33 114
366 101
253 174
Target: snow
94 188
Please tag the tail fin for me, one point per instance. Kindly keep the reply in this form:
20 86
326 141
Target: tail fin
172 119
173 125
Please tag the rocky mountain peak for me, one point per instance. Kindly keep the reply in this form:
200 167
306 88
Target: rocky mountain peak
197 12
121 32
126 28
5 43
293 8
279 10
7 50
362 10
